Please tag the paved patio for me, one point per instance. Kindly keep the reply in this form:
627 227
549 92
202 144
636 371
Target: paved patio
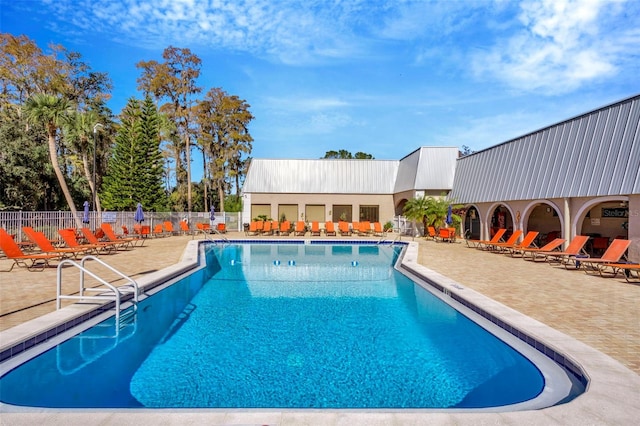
602 313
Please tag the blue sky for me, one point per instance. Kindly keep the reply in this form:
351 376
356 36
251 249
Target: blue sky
382 77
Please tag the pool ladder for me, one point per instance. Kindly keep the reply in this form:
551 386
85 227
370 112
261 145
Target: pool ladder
93 346
104 291
383 240
205 237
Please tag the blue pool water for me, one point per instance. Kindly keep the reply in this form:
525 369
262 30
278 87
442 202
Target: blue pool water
283 326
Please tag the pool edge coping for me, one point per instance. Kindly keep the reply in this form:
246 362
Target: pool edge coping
606 400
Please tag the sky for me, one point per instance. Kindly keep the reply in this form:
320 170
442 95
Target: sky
380 77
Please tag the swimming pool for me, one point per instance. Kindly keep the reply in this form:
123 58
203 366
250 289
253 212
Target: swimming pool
256 328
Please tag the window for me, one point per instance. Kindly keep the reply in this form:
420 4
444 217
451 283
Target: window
260 210
370 213
314 212
289 212
342 212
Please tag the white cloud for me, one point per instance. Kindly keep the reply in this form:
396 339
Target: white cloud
561 46
304 104
291 32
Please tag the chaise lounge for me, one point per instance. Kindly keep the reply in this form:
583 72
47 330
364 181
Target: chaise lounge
495 239
47 247
528 253
573 249
36 261
612 254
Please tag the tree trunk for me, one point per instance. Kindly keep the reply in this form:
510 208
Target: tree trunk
205 180
188 157
87 174
221 196
63 184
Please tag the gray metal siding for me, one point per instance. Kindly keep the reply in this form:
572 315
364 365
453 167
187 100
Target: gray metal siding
407 169
321 176
436 168
596 154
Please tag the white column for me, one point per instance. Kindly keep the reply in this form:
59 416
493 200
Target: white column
567 231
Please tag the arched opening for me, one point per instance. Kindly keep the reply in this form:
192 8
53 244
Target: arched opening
604 221
545 219
472 227
501 218
400 207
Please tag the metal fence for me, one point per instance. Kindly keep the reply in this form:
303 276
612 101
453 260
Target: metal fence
50 222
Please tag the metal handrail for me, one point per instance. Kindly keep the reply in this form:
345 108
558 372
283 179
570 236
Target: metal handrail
383 240
117 294
206 234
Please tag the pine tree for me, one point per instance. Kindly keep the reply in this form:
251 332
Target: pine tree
154 195
134 174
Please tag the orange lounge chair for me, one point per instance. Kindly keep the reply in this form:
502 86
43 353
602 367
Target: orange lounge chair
221 228
253 228
111 236
447 234
431 233
260 226
343 228
158 231
46 246
93 239
168 227
364 229
301 228
377 229
136 238
71 240
528 252
315 228
184 227
266 228
628 269
612 254
527 242
495 239
573 249
143 231
329 229
511 241
36 261
285 228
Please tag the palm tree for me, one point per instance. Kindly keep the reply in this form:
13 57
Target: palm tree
437 211
430 211
79 130
417 209
52 112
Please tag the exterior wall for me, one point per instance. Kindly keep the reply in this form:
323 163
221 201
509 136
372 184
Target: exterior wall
399 197
570 216
385 203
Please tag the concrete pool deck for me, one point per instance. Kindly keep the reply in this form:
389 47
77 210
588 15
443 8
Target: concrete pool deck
582 313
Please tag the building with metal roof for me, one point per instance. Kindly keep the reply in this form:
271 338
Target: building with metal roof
330 189
579 176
